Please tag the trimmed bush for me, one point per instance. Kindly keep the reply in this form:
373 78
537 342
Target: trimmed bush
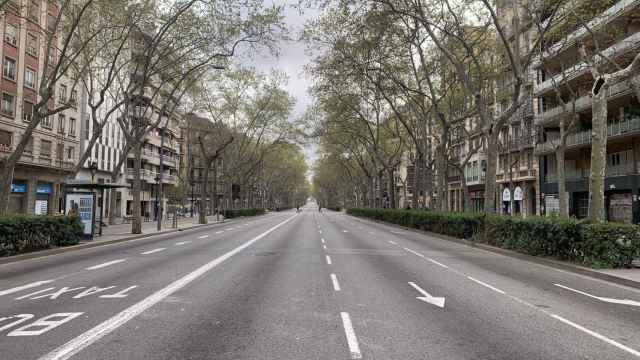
609 245
234 213
23 233
597 245
462 225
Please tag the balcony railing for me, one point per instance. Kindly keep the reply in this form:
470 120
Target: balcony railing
584 137
573 174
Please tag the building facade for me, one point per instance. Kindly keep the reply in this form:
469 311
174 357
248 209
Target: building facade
53 148
618 30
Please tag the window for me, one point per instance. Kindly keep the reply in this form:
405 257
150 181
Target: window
29 78
47 122
5 140
45 148
34 11
61 123
72 127
29 147
9 70
60 151
27 111
52 56
32 45
62 94
11 35
7 104
87 132
74 97
70 153
51 22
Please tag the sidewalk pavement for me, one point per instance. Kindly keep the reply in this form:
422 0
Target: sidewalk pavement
629 274
116 233
121 231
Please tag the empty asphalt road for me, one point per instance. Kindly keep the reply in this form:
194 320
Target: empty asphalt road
307 286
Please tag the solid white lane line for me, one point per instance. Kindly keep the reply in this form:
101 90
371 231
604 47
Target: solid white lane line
604 299
219 232
352 340
24 287
336 284
99 266
393 242
153 251
438 263
75 345
322 240
203 237
486 285
182 243
598 336
328 260
414 252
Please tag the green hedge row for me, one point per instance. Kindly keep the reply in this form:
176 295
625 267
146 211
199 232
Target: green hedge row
597 245
22 233
234 213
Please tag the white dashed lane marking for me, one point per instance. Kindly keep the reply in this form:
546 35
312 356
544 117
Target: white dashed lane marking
99 266
153 251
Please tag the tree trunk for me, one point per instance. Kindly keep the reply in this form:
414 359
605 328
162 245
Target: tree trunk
380 191
598 155
216 205
5 190
136 224
442 167
562 182
490 178
392 190
112 202
465 191
372 193
204 194
417 176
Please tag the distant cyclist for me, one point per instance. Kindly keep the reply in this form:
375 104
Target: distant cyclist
297 208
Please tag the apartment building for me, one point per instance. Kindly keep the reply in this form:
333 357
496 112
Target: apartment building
517 172
617 29
53 148
192 163
104 155
468 145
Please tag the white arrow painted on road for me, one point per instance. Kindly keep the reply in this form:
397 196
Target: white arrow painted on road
437 301
24 287
605 299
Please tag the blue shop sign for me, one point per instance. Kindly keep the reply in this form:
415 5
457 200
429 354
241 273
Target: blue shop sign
44 188
19 187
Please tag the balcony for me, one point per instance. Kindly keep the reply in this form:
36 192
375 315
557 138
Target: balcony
583 174
616 90
584 137
612 13
476 179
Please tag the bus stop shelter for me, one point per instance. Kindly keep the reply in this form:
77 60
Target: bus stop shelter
80 197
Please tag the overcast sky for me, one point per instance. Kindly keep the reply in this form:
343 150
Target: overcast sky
291 60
